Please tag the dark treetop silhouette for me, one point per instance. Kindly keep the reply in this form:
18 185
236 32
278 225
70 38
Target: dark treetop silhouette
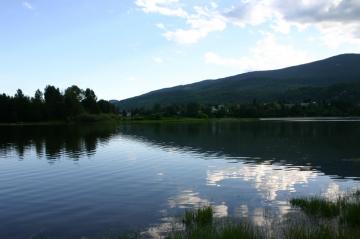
52 105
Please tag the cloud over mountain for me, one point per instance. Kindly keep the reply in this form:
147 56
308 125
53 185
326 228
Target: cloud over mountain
337 21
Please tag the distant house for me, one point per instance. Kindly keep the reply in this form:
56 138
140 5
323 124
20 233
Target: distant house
216 108
304 104
213 109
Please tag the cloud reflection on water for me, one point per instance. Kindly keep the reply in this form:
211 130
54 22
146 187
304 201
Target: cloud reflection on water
186 199
190 199
267 179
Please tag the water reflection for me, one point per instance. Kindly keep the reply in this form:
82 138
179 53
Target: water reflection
130 176
185 200
267 179
54 142
332 147
268 182
279 160
190 199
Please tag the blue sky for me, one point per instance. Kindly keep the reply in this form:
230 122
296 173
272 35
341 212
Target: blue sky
123 48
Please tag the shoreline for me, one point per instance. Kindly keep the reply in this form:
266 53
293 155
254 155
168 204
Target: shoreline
43 123
314 119
112 118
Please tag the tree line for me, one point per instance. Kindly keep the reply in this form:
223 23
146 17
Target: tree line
251 110
52 104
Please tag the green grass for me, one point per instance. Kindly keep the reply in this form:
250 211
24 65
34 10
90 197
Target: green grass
199 217
297 232
317 206
201 224
351 214
345 208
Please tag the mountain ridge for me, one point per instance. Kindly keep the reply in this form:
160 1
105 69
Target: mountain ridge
264 86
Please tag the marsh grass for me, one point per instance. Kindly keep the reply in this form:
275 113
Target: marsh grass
218 231
351 214
198 218
297 232
317 206
201 224
344 209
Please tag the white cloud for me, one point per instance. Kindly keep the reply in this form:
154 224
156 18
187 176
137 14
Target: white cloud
158 60
27 5
249 13
268 53
337 21
336 34
163 7
214 5
160 26
202 22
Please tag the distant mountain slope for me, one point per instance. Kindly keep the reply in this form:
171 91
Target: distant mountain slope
337 76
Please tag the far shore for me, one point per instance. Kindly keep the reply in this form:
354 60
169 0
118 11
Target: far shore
114 118
311 119
126 120
35 123
234 119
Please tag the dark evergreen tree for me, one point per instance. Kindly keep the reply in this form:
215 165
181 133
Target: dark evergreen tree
73 97
54 103
89 102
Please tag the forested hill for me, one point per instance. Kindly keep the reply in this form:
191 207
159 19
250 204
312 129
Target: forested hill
335 78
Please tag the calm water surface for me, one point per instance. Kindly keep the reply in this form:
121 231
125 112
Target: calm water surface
95 181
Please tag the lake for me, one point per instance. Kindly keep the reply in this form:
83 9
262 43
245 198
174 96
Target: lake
96 181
